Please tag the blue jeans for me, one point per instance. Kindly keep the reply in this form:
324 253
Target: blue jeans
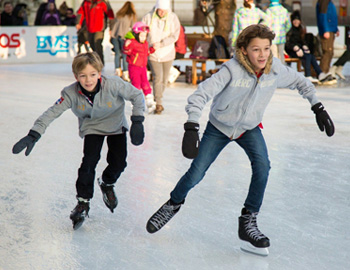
118 47
212 143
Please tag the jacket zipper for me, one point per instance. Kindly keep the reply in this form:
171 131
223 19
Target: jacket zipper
245 108
137 54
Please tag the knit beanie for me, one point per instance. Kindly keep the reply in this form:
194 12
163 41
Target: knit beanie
295 15
163 4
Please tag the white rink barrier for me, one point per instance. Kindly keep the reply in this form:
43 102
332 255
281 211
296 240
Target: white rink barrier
43 44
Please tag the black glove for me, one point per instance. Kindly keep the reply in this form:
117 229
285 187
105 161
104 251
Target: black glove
323 119
26 142
190 141
136 130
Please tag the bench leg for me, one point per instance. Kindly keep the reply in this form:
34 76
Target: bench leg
194 72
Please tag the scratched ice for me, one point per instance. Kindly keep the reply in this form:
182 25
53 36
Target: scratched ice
305 212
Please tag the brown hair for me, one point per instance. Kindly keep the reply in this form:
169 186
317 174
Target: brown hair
84 59
127 9
254 31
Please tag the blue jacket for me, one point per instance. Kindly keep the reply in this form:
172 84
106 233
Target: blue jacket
327 22
240 98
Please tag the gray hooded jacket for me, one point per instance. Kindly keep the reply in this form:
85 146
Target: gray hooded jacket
105 116
240 98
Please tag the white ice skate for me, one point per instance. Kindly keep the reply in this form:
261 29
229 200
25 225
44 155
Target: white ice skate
150 103
248 247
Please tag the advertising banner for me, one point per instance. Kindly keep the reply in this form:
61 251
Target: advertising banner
41 44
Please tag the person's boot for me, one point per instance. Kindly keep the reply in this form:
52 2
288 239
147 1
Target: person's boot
79 213
339 72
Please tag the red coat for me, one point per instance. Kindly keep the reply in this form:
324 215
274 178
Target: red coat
137 53
93 12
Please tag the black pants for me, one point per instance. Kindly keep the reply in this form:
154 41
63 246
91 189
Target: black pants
116 159
345 57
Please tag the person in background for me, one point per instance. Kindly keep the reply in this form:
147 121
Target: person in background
337 68
70 18
93 12
137 50
20 11
297 47
247 15
99 103
200 13
39 13
124 20
164 32
181 44
327 23
7 16
51 16
280 25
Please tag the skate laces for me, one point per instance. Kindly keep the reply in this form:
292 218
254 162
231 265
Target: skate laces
81 207
164 214
252 227
108 189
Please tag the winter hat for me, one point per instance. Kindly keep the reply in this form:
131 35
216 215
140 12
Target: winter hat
163 4
274 3
295 15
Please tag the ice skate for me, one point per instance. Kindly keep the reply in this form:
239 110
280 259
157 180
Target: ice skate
162 216
79 213
150 103
159 109
252 240
109 197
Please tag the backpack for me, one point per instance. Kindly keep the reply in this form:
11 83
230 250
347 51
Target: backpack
218 48
200 50
314 44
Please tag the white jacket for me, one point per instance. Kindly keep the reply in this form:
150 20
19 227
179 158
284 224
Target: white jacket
165 30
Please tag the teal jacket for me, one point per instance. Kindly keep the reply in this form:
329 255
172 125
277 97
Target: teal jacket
105 116
240 98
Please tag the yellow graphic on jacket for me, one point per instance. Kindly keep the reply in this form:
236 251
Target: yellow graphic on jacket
81 107
109 104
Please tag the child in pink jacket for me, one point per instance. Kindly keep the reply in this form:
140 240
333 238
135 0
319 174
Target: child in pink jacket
137 51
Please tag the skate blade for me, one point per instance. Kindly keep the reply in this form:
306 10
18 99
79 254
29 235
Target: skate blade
77 224
248 247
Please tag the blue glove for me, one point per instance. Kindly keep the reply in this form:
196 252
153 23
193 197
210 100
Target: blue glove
136 131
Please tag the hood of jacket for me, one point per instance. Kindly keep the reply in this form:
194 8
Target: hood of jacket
244 61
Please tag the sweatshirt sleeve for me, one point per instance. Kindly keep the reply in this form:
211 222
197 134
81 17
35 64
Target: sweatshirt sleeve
128 92
291 79
205 92
62 104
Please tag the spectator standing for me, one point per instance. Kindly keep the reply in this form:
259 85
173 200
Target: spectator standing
247 15
327 23
137 50
70 18
280 25
40 12
51 16
7 16
94 13
164 32
201 13
20 11
125 18
297 47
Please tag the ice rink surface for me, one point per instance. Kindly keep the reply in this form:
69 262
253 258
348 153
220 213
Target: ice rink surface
305 211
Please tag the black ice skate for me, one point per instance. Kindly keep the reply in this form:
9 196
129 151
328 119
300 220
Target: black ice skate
162 216
109 197
252 240
79 213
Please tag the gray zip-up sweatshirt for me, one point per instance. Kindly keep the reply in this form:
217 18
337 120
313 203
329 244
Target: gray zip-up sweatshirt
105 116
240 98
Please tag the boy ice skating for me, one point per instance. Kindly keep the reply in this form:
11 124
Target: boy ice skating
137 51
241 91
99 103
